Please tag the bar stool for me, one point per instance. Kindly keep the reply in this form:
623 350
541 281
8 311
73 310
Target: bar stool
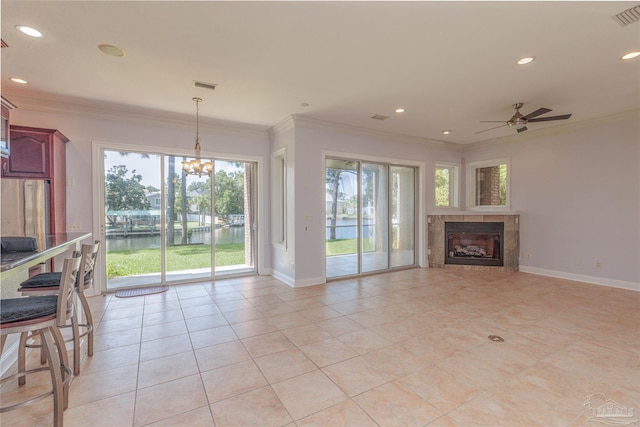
48 283
44 315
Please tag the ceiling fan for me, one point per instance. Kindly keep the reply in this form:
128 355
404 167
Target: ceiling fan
519 120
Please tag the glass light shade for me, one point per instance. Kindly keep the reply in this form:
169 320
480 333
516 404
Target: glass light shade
197 167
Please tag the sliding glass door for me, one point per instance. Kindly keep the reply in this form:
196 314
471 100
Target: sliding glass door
234 217
342 217
403 223
162 225
188 223
370 217
374 212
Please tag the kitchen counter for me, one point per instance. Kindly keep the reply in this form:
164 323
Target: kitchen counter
49 246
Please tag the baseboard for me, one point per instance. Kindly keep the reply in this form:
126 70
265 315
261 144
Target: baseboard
298 283
310 282
603 281
283 278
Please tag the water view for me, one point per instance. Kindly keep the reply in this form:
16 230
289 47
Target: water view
222 236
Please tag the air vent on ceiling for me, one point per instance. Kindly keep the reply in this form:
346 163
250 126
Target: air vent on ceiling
379 117
3 44
204 85
628 16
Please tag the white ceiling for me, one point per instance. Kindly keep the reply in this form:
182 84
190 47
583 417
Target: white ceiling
449 64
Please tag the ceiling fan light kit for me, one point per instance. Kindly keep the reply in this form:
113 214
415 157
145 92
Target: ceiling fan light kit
519 120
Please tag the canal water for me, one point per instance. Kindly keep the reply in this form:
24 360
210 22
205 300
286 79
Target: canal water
345 229
223 235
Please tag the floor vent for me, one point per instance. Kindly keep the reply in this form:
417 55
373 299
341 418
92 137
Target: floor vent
629 16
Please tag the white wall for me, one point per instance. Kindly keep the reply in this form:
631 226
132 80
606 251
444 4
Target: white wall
578 194
283 256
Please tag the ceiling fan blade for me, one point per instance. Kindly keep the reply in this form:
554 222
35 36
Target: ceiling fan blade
522 129
538 112
551 118
475 133
492 121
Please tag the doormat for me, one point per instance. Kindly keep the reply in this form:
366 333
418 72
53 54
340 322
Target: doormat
138 292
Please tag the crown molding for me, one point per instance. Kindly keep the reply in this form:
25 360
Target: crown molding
622 117
99 109
282 127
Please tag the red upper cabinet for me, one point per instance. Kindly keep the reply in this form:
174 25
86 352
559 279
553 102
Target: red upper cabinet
36 153
41 154
5 107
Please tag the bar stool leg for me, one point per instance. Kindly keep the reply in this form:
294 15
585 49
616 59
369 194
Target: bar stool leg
63 362
89 322
51 354
76 342
22 355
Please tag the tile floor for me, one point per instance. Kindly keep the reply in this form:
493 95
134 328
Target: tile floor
407 348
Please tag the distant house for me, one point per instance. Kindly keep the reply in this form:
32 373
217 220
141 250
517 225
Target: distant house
154 200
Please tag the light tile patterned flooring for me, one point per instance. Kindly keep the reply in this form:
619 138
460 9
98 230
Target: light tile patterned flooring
406 348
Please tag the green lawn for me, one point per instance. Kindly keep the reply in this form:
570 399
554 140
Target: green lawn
143 261
187 257
347 246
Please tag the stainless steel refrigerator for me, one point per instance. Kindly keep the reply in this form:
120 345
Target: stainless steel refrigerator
25 208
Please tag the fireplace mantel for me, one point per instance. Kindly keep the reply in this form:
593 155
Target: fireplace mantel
437 243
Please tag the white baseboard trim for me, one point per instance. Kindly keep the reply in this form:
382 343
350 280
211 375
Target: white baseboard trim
310 282
283 278
298 283
603 281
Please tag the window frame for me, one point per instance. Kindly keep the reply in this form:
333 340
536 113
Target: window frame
471 185
454 184
279 198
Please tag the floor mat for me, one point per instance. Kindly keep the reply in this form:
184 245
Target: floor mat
137 292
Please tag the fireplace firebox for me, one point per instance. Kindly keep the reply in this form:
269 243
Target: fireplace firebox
474 243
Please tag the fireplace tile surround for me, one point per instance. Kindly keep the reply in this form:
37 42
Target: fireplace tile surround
437 243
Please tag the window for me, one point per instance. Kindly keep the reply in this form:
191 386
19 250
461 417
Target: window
446 185
488 184
279 206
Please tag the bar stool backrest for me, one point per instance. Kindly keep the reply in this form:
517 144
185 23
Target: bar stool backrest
89 258
67 281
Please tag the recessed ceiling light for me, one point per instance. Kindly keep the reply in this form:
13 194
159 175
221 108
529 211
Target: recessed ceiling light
111 50
17 80
399 110
447 132
30 31
525 60
630 55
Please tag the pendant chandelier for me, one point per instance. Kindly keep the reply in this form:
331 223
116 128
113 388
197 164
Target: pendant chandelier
197 166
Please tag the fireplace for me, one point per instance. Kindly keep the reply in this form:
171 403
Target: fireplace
508 225
474 243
